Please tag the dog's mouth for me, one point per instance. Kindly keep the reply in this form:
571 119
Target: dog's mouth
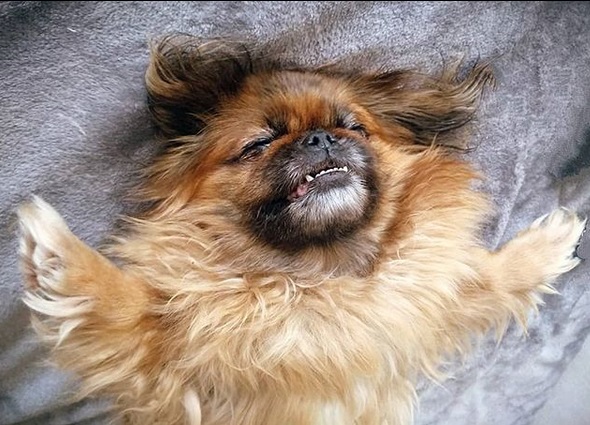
324 177
316 199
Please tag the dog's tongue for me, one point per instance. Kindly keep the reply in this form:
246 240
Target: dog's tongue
300 190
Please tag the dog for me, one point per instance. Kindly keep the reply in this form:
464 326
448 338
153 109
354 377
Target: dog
311 245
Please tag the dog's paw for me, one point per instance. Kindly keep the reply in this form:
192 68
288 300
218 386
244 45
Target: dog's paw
47 247
553 239
44 242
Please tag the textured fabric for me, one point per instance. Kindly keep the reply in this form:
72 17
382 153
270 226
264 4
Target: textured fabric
74 129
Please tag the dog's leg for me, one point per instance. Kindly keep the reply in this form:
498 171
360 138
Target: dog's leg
70 283
96 318
514 277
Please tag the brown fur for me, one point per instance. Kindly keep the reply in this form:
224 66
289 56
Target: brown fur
207 322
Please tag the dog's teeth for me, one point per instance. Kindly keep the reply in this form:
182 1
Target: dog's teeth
329 170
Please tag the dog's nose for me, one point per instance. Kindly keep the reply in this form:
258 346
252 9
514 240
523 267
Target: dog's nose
319 139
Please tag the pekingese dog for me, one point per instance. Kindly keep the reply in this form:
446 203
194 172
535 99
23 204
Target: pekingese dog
311 246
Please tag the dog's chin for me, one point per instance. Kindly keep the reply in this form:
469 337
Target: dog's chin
320 212
331 204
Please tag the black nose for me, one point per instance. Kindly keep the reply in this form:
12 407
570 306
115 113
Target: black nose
319 139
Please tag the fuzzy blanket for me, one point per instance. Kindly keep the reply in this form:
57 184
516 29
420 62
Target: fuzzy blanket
74 129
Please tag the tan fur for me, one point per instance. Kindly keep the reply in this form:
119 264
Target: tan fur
206 324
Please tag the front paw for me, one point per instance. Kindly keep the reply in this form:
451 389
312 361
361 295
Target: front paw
44 241
553 239
46 250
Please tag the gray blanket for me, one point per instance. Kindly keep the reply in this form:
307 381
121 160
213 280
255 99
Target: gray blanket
74 129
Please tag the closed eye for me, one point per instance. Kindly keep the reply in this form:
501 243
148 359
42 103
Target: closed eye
356 127
255 147
347 120
359 128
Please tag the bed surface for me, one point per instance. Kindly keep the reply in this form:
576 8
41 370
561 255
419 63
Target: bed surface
74 129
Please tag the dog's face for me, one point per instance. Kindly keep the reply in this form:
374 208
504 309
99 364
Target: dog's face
303 157
292 151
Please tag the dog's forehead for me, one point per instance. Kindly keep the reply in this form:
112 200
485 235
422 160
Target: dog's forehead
299 99
301 82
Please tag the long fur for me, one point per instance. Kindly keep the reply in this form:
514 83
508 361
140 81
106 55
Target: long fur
204 323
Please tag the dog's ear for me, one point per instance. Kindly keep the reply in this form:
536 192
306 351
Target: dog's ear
425 105
187 79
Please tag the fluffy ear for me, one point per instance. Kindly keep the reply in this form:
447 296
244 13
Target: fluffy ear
187 79
425 105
